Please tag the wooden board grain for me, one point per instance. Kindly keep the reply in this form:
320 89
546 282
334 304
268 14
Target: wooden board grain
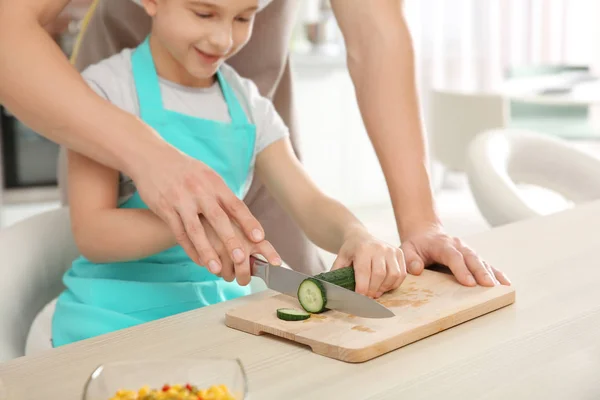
423 305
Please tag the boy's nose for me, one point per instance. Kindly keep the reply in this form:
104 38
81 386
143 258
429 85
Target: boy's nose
221 39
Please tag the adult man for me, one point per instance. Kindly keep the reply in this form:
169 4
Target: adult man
177 188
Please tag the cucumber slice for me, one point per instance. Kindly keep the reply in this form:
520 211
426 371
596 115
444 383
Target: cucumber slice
312 296
290 314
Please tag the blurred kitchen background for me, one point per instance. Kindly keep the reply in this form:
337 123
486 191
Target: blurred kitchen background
480 64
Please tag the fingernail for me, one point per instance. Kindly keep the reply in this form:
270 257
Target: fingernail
489 279
378 294
471 280
213 266
257 234
238 255
277 261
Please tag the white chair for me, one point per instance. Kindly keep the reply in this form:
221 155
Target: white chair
456 118
498 161
34 255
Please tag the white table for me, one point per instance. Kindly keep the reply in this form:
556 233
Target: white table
545 346
527 90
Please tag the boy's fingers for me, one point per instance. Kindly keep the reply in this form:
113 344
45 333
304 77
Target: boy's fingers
227 270
393 273
403 270
340 262
362 273
242 272
378 274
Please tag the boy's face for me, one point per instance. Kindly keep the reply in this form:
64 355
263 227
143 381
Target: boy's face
195 37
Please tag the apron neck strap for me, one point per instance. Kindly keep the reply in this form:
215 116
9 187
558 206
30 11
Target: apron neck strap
148 88
236 112
146 81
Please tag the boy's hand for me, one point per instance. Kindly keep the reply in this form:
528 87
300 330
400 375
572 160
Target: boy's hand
378 267
231 270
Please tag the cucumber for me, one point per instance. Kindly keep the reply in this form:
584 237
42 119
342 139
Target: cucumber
312 295
290 314
343 277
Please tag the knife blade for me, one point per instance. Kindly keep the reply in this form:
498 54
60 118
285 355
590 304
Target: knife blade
287 281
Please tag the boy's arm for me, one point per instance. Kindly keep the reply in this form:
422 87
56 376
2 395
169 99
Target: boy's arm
103 232
326 222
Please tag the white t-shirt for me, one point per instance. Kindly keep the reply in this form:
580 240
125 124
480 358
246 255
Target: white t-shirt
112 79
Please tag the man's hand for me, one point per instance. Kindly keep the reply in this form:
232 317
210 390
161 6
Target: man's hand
242 272
178 189
431 244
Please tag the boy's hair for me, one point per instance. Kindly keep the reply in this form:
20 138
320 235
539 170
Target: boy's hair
261 3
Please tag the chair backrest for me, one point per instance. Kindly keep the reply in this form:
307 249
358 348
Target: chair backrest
499 160
35 253
456 118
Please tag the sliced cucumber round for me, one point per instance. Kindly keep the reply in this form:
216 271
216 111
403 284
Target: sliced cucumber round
290 314
312 296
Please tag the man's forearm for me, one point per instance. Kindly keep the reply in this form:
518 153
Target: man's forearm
382 70
42 89
115 235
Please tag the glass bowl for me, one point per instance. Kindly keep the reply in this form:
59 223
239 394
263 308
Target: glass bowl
203 373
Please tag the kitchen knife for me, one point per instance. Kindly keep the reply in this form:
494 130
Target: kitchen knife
287 281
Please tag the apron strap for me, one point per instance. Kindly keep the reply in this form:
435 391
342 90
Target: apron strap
146 81
236 112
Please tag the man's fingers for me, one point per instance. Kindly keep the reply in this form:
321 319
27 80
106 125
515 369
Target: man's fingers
501 276
453 259
194 232
267 250
222 225
174 222
414 263
238 210
482 275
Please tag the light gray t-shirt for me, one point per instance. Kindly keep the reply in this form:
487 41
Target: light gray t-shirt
112 79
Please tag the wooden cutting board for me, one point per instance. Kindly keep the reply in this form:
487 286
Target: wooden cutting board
423 305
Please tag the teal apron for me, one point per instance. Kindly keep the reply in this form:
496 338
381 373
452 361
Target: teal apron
102 298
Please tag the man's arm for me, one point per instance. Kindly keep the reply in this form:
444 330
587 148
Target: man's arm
381 65
43 90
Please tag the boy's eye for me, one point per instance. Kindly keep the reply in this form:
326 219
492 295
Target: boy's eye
244 19
203 15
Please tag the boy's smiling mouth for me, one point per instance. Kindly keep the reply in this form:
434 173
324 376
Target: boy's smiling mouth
208 58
